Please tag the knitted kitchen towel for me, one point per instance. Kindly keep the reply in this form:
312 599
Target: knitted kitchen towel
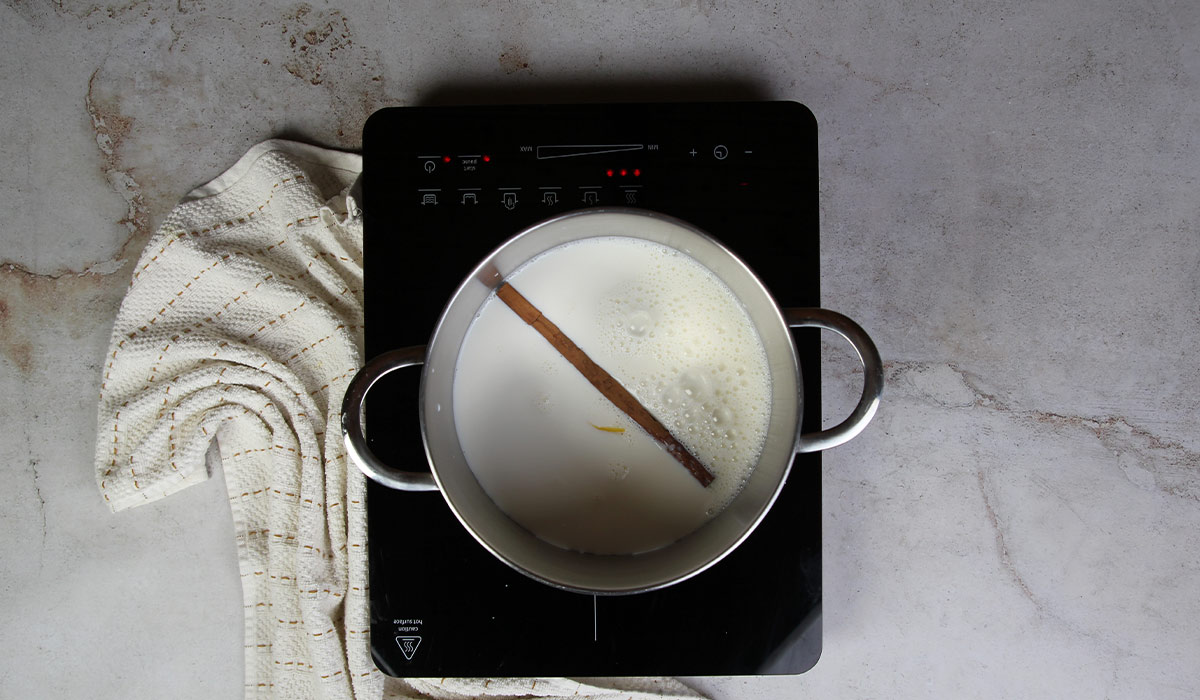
241 328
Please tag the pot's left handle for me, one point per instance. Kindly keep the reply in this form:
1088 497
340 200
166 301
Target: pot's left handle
352 434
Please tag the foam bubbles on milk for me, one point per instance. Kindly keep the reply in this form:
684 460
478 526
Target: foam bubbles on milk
682 344
668 330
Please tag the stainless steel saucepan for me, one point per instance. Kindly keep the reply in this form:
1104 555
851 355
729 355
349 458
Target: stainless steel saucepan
592 573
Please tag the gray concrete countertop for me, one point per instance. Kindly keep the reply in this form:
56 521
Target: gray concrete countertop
1009 204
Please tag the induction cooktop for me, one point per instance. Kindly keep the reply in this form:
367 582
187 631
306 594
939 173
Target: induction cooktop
442 187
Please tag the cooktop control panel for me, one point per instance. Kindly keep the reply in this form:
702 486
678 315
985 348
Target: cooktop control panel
545 179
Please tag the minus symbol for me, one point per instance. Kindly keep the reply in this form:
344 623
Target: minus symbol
749 152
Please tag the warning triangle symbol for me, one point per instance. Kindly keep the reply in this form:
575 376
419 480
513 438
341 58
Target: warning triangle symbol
408 646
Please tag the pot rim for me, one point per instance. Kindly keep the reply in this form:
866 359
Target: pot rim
489 273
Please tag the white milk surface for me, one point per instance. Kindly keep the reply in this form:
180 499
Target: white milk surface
562 460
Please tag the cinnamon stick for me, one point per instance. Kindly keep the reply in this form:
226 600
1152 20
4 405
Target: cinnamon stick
603 381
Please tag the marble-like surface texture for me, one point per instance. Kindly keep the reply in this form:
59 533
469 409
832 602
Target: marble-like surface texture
1010 204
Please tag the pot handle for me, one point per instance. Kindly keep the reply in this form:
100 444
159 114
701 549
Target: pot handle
872 376
352 434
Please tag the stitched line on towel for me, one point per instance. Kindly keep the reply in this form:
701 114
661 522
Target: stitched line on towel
196 278
294 665
304 350
287 494
291 540
323 254
302 220
172 447
271 576
210 319
259 253
257 492
332 381
195 326
187 286
113 463
171 444
171 383
282 316
229 223
162 354
314 591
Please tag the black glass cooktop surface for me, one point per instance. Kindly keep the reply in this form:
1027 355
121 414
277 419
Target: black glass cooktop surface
442 187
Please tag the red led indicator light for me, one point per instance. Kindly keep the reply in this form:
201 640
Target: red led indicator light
609 172
487 159
624 172
637 172
445 159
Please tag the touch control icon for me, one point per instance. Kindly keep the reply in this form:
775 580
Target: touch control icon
720 152
509 200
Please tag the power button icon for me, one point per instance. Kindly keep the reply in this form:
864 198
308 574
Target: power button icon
720 152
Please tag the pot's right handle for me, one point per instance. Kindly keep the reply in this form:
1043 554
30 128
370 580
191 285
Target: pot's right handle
352 433
872 375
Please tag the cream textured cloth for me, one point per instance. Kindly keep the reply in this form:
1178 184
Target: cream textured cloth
241 328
